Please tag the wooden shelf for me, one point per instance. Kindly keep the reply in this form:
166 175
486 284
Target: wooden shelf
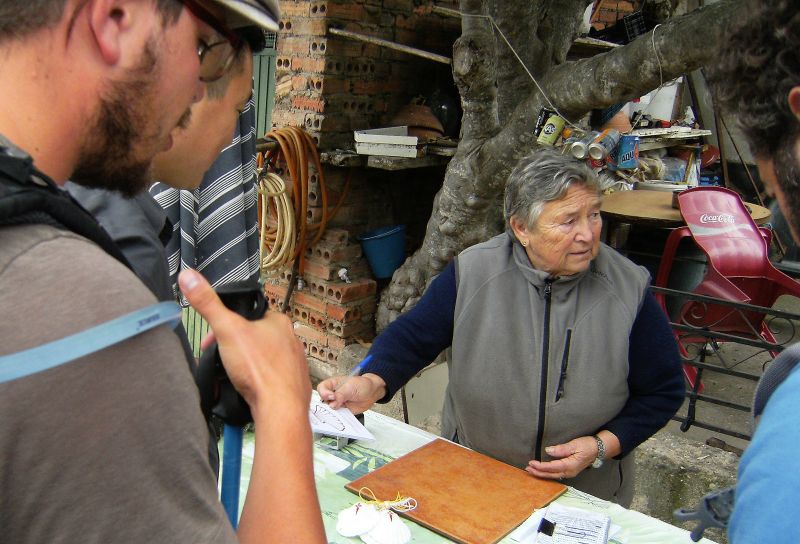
350 159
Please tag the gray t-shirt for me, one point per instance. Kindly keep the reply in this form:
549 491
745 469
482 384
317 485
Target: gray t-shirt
108 448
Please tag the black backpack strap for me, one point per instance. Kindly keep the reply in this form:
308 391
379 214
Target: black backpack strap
28 196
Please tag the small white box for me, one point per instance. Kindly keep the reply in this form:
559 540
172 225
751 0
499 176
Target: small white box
388 141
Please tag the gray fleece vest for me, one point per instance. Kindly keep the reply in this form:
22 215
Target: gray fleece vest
530 370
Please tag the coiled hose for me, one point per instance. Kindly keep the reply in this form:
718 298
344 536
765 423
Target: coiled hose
285 241
279 243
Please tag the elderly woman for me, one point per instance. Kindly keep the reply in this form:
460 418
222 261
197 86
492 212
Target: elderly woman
562 362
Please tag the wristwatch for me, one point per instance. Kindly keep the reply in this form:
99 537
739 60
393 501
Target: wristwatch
601 453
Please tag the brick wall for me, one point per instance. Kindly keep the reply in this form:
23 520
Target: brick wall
331 86
329 312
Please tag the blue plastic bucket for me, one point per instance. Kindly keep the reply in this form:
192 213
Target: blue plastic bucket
385 249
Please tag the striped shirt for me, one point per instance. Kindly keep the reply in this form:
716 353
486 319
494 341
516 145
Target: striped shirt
215 227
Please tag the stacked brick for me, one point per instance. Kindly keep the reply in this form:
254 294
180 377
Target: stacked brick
331 85
328 312
606 13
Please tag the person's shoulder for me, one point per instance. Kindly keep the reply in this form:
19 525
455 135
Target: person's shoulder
616 268
19 240
494 243
782 404
487 258
619 277
775 374
769 469
121 217
64 272
776 425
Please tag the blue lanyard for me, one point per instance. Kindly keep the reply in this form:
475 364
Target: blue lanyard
24 363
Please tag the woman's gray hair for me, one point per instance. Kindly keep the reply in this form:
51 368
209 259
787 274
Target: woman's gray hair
540 177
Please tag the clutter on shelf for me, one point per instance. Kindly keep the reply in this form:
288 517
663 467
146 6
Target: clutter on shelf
645 149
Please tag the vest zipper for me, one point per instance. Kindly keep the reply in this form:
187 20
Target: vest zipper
548 289
564 363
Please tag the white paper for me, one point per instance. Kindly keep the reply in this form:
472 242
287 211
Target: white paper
526 532
573 526
341 422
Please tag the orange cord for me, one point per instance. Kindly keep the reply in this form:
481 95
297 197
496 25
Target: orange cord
298 150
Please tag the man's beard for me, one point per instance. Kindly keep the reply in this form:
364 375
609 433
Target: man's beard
787 175
111 156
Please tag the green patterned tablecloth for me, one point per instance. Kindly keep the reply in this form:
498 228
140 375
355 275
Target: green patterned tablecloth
394 438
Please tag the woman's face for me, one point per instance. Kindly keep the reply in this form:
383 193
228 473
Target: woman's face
566 236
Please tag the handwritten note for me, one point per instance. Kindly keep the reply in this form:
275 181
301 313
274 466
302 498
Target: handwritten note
341 422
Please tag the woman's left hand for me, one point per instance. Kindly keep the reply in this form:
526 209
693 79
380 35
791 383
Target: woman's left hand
569 459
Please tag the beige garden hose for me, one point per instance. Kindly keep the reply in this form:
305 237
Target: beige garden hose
273 196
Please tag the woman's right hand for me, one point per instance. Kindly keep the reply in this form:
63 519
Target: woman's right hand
357 393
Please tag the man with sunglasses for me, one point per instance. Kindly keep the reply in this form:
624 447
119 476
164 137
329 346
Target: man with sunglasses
111 447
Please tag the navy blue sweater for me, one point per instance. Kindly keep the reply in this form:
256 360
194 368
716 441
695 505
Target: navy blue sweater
655 380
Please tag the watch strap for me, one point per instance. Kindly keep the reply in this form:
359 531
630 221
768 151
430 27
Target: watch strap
601 452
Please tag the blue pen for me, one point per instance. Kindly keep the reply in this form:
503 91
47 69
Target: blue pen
360 366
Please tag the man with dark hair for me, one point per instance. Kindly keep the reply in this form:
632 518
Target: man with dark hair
111 447
758 81
213 209
139 225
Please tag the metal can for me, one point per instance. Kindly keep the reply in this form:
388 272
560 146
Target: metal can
580 148
567 143
551 130
544 115
626 155
605 142
597 163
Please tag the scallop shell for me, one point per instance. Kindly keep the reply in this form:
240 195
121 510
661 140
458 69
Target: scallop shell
356 520
390 529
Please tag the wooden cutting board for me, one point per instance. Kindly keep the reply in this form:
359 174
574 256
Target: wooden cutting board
461 494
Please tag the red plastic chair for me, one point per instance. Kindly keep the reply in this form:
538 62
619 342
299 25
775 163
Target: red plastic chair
738 269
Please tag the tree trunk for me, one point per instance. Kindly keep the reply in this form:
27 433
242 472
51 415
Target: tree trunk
468 208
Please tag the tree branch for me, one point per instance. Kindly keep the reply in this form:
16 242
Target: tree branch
541 33
518 22
468 207
627 72
474 72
